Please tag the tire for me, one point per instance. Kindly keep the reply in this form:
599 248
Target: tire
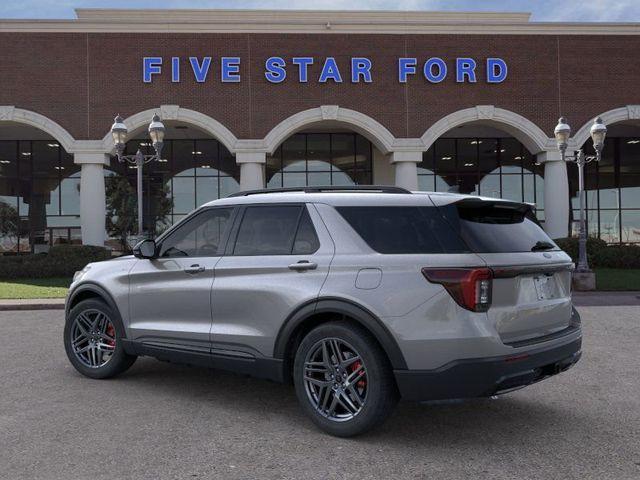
366 389
93 335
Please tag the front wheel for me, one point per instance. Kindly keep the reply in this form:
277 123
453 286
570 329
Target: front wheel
343 379
93 336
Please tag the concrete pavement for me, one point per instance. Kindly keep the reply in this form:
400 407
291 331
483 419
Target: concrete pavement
163 421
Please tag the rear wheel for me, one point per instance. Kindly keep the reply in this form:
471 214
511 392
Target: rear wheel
343 379
93 336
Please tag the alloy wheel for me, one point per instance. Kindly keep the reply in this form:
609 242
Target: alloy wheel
93 338
335 379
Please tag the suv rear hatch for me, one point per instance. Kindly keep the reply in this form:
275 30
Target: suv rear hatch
531 290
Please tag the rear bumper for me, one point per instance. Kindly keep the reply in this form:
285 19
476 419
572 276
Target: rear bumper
487 376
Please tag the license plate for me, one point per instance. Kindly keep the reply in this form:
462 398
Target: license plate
544 287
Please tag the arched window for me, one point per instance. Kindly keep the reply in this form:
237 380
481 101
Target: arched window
320 159
492 167
192 172
612 188
39 195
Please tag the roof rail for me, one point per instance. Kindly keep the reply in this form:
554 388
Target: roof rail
328 188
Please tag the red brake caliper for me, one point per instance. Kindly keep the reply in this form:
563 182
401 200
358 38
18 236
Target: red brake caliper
355 366
112 333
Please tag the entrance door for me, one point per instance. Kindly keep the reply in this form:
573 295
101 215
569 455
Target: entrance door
170 296
277 259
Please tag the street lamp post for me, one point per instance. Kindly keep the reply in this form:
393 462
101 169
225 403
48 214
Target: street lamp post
562 133
119 133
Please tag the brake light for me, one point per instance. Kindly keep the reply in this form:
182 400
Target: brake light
469 287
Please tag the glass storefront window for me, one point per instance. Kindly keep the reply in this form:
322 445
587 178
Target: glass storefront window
492 167
630 225
191 173
612 191
39 195
320 159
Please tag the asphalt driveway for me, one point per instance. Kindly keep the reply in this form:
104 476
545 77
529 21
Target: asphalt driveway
162 421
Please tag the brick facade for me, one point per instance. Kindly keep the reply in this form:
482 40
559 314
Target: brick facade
80 80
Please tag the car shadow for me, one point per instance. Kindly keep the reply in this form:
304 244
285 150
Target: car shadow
506 420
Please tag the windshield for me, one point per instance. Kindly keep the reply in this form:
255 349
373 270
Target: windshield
488 227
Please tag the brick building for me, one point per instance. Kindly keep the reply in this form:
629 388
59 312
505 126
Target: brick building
431 101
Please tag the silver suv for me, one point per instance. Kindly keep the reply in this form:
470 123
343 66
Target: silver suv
357 295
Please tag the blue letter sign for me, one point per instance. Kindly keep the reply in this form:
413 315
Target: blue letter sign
434 69
230 71
200 71
406 66
360 67
465 67
303 66
428 70
151 66
275 69
330 71
496 70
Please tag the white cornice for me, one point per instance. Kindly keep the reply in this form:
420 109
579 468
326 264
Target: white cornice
301 21
295 16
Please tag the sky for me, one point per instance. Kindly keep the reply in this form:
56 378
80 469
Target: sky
542 10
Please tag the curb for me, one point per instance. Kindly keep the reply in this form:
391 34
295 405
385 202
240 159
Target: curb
19 305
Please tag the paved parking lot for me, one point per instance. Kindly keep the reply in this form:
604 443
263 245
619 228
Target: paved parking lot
164 421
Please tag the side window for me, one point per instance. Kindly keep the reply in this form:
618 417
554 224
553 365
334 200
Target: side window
200 236
267 230
306 241
276 230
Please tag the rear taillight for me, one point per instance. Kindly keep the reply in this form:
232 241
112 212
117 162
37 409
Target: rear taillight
469 287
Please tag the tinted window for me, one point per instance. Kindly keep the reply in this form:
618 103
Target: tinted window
306 241
267 230
403 229
495 228
200 236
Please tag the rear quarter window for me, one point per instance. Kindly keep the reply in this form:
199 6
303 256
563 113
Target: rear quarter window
497 228
402 229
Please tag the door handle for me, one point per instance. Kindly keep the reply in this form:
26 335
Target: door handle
303 265
194 269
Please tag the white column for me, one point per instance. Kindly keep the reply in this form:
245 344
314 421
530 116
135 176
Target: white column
556 194
92 197
406 166
251 169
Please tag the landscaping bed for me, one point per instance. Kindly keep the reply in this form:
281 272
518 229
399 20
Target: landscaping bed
34 288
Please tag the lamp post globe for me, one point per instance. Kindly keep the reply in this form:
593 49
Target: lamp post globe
562 133
598 133
119 133
156 132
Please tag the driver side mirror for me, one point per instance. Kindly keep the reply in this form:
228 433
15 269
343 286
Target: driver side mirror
145 249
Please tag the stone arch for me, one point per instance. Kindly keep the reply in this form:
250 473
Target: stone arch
177 113
373 130
629 112
527 132
9 113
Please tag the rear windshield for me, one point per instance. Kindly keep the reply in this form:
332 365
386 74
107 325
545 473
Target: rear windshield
497 228
404 229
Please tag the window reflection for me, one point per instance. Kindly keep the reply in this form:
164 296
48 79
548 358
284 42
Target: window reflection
320 159
612 188
191 173
491 167
39 196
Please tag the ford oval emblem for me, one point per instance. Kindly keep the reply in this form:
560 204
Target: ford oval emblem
547 255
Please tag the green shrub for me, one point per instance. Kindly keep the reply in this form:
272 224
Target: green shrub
570 246
61 261
617 256
601 255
